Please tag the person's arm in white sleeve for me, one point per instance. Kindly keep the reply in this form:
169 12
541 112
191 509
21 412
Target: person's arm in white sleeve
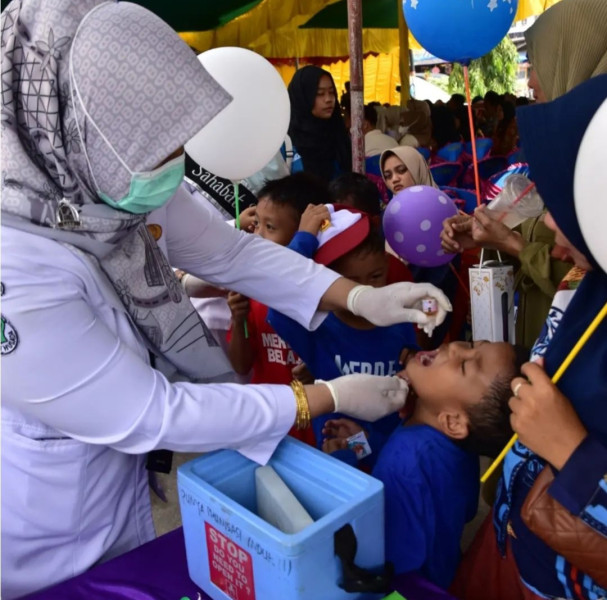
199 242
91 386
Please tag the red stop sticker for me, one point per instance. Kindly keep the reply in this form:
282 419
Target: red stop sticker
230 566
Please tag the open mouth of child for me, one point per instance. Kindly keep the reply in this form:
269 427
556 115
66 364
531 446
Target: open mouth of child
426 358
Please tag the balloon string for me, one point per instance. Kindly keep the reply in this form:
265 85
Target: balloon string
555 378
237 205
477 182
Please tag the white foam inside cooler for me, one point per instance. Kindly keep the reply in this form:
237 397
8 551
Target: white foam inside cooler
277 504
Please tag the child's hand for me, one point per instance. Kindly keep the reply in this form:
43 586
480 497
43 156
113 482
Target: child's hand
341 428
333 445
239 307
313 217
301 373
247 219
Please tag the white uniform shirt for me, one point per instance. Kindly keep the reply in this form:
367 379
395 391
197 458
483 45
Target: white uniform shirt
81 405
376 142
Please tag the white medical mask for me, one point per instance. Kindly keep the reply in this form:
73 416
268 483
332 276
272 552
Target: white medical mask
150 190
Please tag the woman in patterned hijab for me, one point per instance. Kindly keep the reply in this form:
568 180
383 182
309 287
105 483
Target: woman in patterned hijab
97 100
90 95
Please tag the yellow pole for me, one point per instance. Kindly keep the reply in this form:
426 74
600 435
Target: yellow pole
555 378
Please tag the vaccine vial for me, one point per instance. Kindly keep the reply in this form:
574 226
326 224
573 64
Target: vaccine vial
429 306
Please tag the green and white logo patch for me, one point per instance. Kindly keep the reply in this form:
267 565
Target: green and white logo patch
8 336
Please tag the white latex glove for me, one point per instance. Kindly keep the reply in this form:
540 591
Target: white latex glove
398 303
367 397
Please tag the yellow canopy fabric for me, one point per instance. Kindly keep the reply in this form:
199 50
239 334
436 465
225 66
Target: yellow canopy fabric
381 76
531 8
269 15
271 29
290 42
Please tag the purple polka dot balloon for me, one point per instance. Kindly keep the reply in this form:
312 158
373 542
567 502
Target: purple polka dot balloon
413 221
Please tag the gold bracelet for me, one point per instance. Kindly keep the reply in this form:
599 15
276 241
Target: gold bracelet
303 417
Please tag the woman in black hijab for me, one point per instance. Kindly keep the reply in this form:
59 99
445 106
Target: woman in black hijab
317 129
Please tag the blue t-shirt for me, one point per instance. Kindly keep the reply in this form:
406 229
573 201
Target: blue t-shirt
336 349
431 491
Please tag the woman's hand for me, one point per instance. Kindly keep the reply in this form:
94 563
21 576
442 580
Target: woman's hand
488 232
313 217
397 303
543 418
239 307
456 235
367 397
463 232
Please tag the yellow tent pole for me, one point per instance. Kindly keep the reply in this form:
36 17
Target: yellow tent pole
403 38
555 378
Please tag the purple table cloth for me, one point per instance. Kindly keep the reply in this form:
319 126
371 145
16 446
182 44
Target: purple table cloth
158 571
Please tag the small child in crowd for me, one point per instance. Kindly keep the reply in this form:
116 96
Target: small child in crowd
429 466
277 217
258 348
344 343
357 191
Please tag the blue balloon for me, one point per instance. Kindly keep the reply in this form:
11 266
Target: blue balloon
459 30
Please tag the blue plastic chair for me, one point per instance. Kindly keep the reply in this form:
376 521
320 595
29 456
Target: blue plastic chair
372 165
468 197
483 147
424 152
446 173
451 152
490 166
499 179
516 156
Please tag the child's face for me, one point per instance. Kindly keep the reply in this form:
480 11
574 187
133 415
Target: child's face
365 268
458 374
275 222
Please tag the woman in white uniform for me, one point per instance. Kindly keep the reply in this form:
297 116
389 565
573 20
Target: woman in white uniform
104 358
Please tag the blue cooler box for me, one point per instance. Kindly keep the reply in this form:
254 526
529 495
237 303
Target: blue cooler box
235 555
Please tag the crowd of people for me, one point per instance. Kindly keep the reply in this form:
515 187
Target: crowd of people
428 125
311 325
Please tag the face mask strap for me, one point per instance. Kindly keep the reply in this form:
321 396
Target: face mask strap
74 87
165 167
